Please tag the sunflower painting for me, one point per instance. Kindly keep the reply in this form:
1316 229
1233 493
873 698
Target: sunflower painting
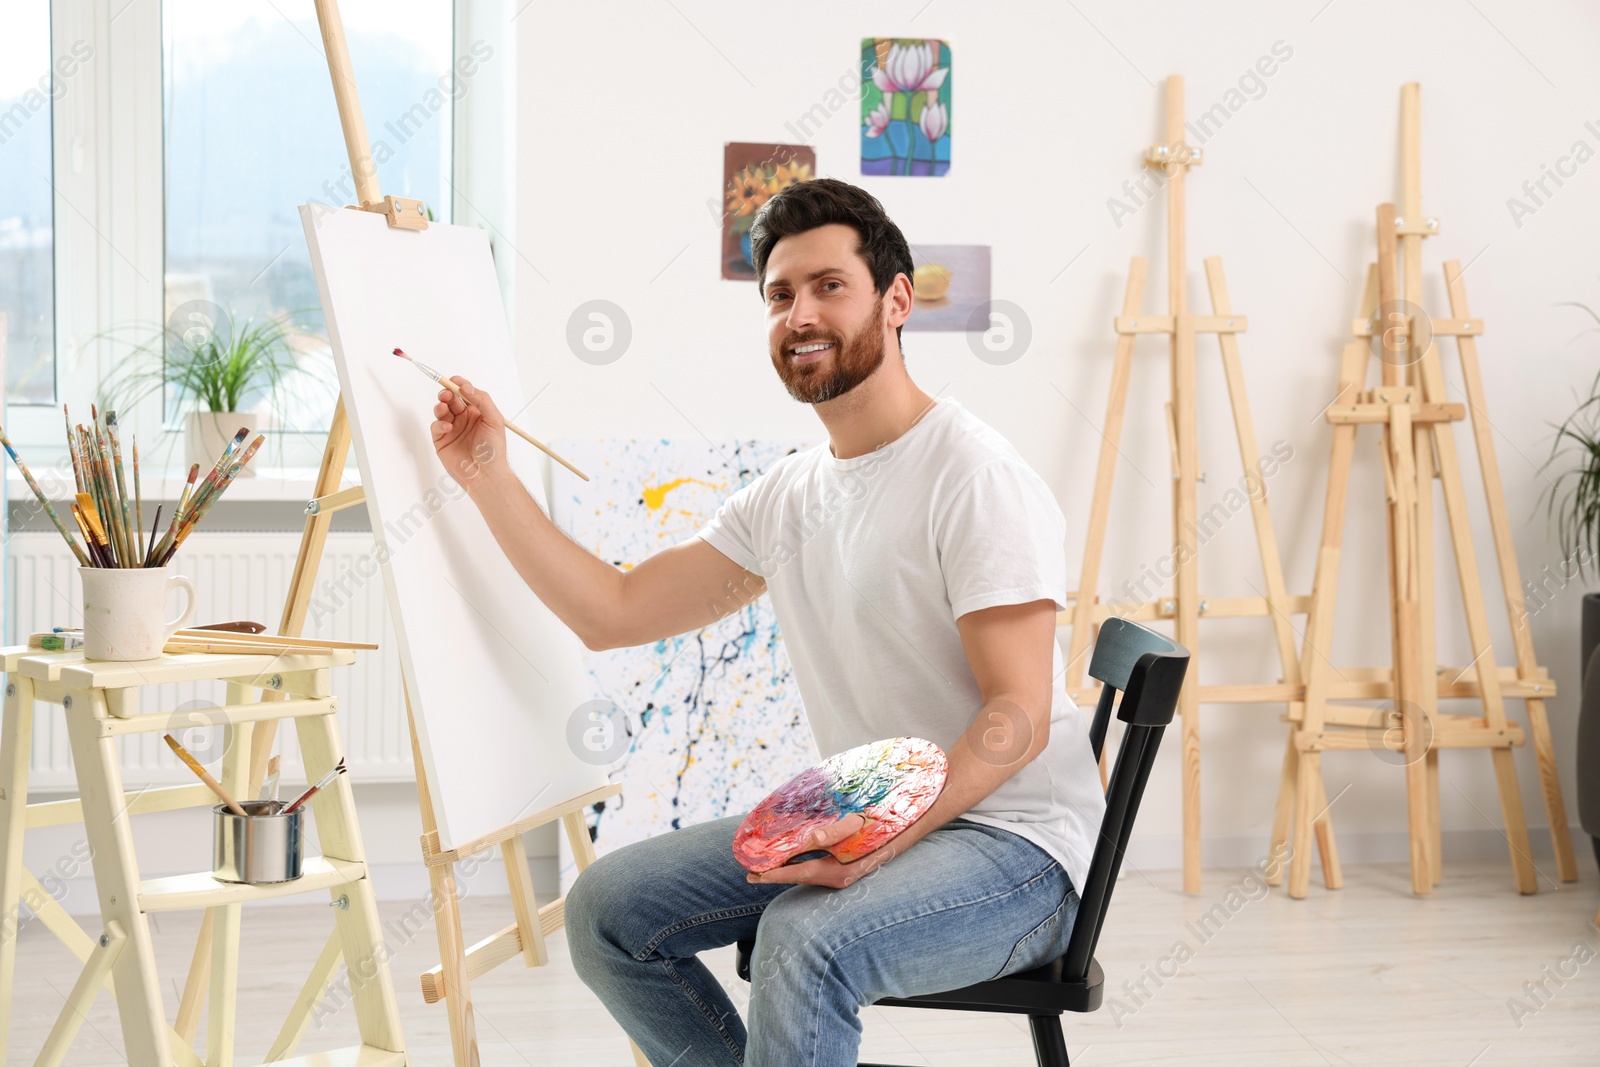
905 106
751 174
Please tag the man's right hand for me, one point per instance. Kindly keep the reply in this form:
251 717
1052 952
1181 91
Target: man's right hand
674 591
469 433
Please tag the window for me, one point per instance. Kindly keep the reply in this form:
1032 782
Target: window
28 84
251 132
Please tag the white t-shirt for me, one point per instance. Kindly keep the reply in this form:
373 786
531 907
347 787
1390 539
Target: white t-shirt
869 562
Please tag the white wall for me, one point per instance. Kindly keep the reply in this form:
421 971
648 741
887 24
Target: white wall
622 113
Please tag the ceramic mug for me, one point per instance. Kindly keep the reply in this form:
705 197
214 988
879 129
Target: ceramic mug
125 608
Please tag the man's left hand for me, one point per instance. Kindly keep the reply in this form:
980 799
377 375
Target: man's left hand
828 871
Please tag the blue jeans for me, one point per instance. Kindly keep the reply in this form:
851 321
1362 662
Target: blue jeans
965 904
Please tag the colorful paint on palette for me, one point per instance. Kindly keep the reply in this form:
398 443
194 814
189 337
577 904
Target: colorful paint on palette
891 783
905 106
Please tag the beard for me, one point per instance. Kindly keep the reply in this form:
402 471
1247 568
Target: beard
853 360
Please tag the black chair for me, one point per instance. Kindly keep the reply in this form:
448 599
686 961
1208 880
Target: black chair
1147 669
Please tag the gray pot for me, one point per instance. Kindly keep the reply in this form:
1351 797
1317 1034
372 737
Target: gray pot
1589 724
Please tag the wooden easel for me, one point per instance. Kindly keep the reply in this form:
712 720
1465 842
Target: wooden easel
101 702
450 980
1418 446
1186 606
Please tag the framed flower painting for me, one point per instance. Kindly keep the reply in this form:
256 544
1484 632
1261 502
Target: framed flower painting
905 106
751 174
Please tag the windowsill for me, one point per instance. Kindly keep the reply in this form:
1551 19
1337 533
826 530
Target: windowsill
296 484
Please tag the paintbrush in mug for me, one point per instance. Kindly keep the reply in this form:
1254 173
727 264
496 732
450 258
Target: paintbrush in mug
513 427
49 509
202 503
172 526
322 783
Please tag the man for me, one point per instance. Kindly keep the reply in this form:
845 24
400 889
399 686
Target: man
916 564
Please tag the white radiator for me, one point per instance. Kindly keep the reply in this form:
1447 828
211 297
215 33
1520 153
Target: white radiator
239 576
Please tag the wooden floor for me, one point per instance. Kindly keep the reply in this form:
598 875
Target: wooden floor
1366 975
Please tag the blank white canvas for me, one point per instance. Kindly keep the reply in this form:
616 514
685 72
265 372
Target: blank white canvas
492 674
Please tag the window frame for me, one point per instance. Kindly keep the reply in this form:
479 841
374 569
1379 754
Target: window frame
108 171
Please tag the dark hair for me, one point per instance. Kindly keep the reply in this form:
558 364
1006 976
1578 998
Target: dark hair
821 202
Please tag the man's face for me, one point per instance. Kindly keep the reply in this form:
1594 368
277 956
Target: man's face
825 323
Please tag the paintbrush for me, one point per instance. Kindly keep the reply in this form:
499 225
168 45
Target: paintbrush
154 559
269 788
217 471
130 533
429 372
205 776
109 510
202 505
87 528
49 509
72 449
138 505
322 783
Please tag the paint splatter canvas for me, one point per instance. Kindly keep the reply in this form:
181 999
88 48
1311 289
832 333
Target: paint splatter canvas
751 175
891 783
710 721
905 106
951 286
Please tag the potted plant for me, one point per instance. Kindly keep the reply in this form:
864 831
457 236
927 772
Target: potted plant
214 369
1574 505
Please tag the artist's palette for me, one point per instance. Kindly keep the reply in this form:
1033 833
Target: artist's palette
890 782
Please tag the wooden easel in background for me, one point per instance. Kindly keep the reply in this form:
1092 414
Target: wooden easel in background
1186 606
1418 446
450 980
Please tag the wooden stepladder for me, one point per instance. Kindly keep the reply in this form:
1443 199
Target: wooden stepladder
101 703
1186 606
1418 446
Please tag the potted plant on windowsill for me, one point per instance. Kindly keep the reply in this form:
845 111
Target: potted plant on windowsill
214 369
1574 505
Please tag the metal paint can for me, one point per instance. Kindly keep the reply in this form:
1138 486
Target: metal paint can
265 847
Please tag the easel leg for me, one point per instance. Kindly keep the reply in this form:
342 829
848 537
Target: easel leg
116 876
1283 813
1510 579
1544 754
1428 654
1435 831
1305 797
1505 776
452 960
1083 608
1305 774
1187 622
1327 847
15 745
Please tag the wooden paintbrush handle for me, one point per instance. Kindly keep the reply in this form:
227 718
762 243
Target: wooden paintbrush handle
540 445
204 775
